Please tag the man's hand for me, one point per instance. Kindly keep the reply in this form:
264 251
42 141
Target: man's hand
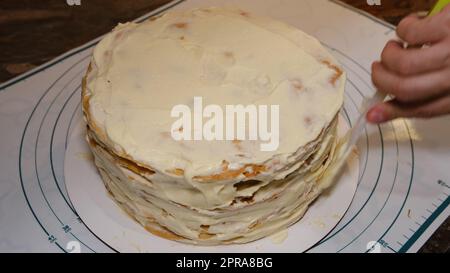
418 77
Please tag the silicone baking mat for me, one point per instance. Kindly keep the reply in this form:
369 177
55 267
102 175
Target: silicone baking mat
403 185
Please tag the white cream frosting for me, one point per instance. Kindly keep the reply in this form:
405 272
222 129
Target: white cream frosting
140 71
157 201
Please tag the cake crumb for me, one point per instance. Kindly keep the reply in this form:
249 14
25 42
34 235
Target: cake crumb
181 25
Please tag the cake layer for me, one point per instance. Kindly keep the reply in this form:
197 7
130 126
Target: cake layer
139 72
220 191
172 208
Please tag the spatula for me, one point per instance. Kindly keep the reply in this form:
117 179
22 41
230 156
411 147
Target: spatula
346 143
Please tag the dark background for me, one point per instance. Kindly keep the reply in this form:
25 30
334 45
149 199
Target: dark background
33 32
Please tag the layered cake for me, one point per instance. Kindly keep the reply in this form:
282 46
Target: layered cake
211 192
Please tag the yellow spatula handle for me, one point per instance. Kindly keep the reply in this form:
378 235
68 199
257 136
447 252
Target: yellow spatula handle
438 7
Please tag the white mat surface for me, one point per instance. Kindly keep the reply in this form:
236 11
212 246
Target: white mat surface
403 185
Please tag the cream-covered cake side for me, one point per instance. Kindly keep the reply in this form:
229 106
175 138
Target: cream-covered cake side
188 191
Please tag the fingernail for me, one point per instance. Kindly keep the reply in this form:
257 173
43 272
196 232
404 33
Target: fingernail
376 116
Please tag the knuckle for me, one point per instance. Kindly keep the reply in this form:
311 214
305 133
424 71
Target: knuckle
403 29
446 53
376 81
387 53
410 36
374 75
401 90
404 66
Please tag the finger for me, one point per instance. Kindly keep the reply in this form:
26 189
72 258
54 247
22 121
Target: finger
414 60
394 109
411 88
418 31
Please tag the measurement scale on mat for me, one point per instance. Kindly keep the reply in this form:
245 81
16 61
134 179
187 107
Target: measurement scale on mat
420 223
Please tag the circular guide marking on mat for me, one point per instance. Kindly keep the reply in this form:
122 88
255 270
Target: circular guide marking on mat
57 113
99 211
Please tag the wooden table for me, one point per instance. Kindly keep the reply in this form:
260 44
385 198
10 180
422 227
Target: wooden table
34 32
